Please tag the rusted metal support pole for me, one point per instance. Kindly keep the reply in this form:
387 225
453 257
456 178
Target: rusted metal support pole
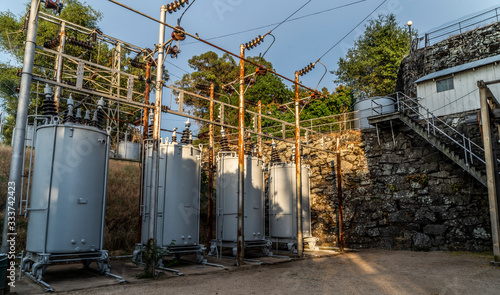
259 127
59 64
240 247
339 194
491 171
210 167
298 167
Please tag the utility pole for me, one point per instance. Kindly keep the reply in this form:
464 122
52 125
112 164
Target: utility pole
298 167
259 126
210 166
492 179
16 162
153 208
339 194
240 245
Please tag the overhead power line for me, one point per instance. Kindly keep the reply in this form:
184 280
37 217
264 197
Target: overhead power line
290 16
348 33
277 24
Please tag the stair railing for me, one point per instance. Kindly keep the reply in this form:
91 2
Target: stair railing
415 112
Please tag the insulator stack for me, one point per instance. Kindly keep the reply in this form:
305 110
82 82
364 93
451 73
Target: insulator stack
100 114
224 144
261 71
150 130
176 5
52 44
248 146
185 133
137 64
307 69
293 154
254 42
275 158
55 5
173 51
78 118
70 117
49 106
94 119
250 81
174 135
83 44
178 34
86 119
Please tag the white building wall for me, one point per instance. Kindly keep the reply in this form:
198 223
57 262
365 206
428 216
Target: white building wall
465 95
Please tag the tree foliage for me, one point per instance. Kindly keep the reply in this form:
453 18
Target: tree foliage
210 68
370 67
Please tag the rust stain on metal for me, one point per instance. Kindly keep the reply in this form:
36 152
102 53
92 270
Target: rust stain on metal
298 167
210 167
241 158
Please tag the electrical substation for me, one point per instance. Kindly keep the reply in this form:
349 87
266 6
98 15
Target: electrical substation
93 110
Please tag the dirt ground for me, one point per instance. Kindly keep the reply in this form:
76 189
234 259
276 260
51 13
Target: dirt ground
364 272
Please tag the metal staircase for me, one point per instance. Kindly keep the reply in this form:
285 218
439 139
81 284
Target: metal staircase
455 145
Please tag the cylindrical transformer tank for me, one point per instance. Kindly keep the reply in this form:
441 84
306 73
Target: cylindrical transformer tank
68 191
178 195
227 198
129 150
283 201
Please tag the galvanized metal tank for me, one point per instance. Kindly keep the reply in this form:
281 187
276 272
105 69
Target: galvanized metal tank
283 201
178 207
68 191
371 107
129 150
227 198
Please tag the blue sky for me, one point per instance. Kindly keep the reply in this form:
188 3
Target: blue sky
297 43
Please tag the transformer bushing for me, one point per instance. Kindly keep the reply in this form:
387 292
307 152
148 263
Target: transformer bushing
178 199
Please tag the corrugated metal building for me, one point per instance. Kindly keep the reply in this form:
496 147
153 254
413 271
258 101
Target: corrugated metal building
454 90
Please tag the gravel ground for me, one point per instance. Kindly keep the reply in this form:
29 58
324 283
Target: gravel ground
364 272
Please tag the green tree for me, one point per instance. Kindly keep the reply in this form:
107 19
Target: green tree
210 68
370 67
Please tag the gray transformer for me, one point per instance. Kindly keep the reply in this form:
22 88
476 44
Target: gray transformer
283 205
68 194
227 203
178 199
129 150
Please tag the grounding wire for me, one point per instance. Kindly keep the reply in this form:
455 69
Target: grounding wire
178 67
348 33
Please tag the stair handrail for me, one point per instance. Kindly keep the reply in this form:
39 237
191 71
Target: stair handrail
404 105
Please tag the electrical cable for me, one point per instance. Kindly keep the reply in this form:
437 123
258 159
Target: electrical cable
213 45
180 18
178 67
290 20
345 36
290 16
